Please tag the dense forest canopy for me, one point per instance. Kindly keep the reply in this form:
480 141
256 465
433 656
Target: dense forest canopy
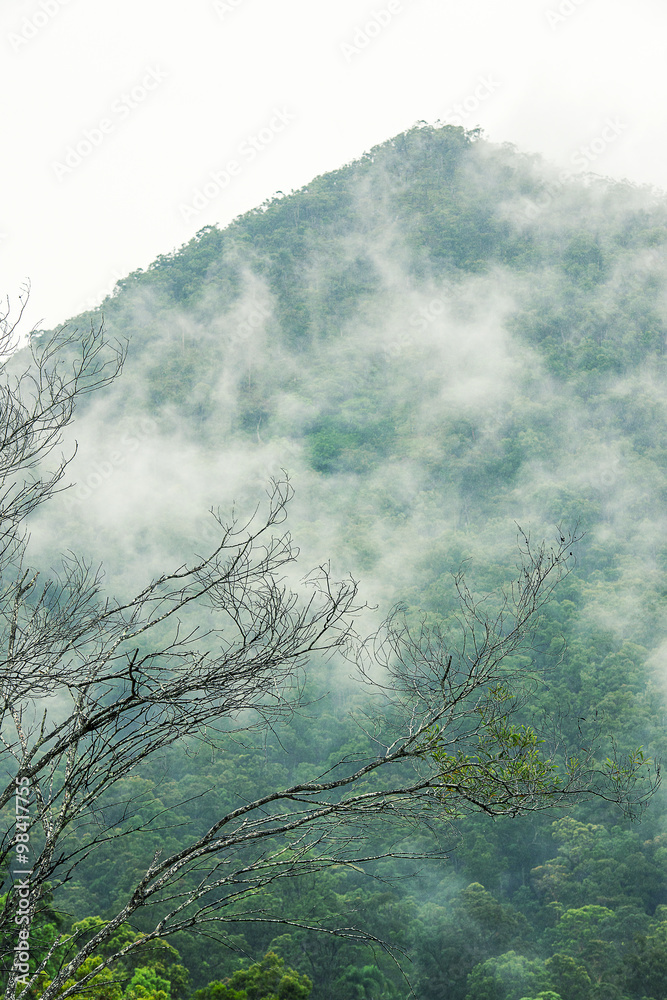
437 342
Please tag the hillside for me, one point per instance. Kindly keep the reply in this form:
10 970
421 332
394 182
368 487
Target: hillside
438 342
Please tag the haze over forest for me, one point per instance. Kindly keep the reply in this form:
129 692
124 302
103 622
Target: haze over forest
439 344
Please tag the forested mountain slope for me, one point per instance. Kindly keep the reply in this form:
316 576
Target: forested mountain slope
438 342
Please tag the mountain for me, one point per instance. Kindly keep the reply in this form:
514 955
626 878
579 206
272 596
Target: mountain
438 342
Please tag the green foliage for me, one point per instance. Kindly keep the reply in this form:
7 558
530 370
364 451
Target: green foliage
103 985
508 977
568 977
583 259
507 755
544 995
46 927
150 972
644 970
269 979
454 342
147 984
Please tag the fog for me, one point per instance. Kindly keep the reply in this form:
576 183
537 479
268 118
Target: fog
446 347
481 435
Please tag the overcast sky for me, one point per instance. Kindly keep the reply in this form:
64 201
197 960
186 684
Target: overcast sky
128 125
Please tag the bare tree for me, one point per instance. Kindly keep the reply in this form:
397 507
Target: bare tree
93 687
36 404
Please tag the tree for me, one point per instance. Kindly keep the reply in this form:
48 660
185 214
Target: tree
506 977
265 980
93 687
644 971
36 404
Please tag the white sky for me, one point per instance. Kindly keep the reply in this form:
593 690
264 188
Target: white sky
557 77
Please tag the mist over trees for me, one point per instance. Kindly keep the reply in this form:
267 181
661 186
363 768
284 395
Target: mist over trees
437 342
